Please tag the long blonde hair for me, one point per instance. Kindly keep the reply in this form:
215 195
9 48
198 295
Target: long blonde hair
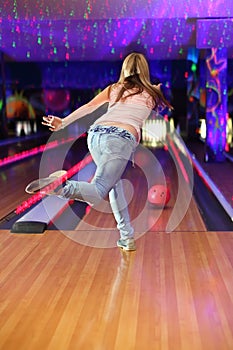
135 75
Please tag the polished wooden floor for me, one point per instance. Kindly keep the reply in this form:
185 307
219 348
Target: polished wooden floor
65 290
174 292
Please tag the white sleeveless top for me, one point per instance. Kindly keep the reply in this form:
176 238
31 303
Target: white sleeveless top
134 110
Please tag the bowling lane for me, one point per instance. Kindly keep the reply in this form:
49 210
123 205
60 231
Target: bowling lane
191 208
16 145
14 177
176 215
181 213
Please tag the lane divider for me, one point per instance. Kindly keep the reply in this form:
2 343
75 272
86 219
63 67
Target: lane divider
38 196
34 151
37 219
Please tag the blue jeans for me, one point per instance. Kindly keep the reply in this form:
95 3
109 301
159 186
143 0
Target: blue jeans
111 148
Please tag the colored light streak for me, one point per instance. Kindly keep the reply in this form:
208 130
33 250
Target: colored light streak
175 150
34 151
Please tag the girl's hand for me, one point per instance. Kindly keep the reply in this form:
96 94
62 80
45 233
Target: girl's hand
54 123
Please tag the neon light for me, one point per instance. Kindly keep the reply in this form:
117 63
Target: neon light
33 151
216 103
176 154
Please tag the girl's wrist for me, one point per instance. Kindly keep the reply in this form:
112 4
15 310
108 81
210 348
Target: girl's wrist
62 124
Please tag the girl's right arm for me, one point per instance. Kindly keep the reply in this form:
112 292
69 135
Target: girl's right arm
56 123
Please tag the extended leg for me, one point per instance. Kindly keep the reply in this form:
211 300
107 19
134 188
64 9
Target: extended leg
107 175
120 211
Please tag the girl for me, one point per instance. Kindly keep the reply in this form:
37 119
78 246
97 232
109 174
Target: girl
113 137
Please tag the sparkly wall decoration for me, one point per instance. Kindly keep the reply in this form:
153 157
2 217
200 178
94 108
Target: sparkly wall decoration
216 104
57 100
93 41
214 33
104 9
75 30
17 106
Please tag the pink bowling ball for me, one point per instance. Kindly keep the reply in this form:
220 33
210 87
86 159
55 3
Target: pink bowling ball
159 195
